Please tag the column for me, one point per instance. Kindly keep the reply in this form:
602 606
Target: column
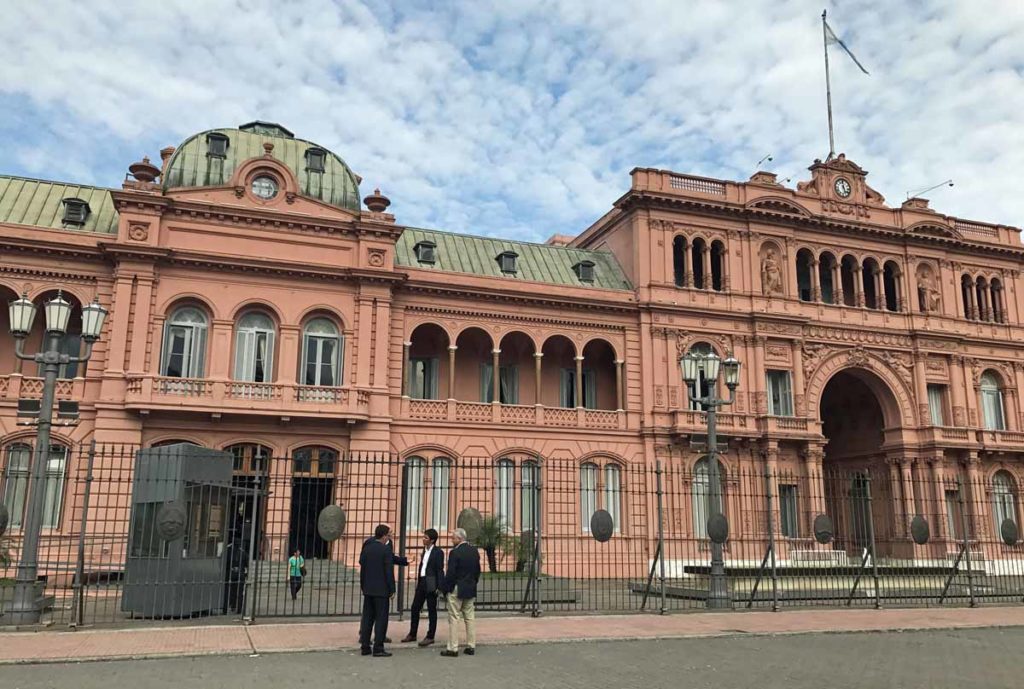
618 385
1012 407
921 385
724 265
814 456
579 382
876 275
140 324
407 369
984 312
858 285
451 371
837 283
770 452
705 259
496 376
975 499
537 358
909 498
799 394
815 281
760 406
956 393
971 299
894 479
120 312
938 488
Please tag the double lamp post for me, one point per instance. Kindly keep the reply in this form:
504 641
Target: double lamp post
25 607
698 367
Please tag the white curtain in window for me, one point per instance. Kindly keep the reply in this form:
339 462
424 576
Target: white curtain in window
702 387
53 498
588 493
184 349
254 348
936 404
953 513
567 388
528 496
1004 504
15 482
504 487
701 495
612 494
423 382
780 394
992 403
321 353
589 389
440 478
413 493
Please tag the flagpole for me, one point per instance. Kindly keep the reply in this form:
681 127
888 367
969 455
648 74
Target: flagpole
828 89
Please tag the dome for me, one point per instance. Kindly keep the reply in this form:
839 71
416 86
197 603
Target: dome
210 158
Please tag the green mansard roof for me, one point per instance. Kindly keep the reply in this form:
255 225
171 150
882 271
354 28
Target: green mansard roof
459 253
40 203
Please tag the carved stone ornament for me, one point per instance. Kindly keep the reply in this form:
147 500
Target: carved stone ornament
138 232
1008 531
470 520
170 521
929 295
919 530
376 257
858 356
5 519
330 524
823 529
771 273
602 526
718 528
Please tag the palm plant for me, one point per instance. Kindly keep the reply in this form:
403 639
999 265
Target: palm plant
492 537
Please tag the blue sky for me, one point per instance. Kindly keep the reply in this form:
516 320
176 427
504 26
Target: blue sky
522 118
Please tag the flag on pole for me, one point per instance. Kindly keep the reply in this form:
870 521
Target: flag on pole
832 39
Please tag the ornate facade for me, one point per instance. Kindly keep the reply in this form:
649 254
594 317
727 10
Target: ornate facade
257 305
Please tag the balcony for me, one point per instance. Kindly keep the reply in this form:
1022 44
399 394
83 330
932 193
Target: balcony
990 439
689 422
160 393
512 414
16 386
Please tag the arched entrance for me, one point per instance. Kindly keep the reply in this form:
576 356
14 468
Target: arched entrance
856 409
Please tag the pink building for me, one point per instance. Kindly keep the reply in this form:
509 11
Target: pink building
259 304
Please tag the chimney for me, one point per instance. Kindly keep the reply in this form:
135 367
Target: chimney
559 240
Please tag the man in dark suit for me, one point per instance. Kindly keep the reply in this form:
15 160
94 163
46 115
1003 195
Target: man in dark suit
460 586
400 560
377 582
431 572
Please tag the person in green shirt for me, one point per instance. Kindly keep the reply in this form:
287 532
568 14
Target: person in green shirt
296 570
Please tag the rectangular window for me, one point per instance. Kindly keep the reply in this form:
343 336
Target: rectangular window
953 513
508 379
780 394
992 410
414 494
16 482
423 379
528 497
567 388
937 404
788 511
504 485
612 495
439 482
254 356
53 498
588 494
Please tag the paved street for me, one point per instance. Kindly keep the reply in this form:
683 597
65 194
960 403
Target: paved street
958 658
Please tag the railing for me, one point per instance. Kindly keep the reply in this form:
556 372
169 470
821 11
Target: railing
517 414
428 410
698 184
950 433
17 386
600 418
976 229
993 437
560 417
143 392
473 411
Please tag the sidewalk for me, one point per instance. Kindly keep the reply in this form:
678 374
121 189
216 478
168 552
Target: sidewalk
149 642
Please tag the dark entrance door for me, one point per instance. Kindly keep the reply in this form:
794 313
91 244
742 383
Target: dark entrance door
312 490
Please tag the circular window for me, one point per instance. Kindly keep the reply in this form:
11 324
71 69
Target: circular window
264 187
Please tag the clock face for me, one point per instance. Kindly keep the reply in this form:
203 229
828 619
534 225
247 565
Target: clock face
264 187
843 187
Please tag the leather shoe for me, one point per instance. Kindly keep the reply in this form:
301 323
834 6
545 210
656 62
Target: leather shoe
364 651
426 642
387 639
381 654
450 654
408 639
470 651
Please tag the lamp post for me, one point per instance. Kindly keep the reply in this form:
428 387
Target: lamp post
24 607
695 366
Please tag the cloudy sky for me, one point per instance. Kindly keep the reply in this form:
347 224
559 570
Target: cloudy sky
522 118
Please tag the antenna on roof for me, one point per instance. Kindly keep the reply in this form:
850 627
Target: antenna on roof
947 183
768 157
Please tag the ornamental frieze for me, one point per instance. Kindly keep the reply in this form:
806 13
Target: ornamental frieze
866 336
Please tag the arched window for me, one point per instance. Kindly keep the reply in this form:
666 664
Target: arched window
15 477
803 274
250 459
613 494
981 295
184 352
698 247
891 285
588 493
1004 500
530 473
826 278
848 279
414 493
314 461
702 388
254 348
992 402
718 255
869 278
679 260
504 475
321 353
967 295
440 482
996 291
702 493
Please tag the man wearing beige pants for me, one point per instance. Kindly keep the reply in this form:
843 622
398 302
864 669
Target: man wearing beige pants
460 581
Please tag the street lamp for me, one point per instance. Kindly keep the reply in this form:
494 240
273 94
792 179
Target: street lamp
696 366
24 607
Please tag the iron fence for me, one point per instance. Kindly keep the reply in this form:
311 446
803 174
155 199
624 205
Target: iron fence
878 534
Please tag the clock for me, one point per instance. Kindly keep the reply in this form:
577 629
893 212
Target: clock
842 187
264 187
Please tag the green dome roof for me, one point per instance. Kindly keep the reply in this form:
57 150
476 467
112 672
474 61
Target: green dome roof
192 165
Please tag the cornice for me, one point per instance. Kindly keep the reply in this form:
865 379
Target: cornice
513 318
40 273
251 265
594 304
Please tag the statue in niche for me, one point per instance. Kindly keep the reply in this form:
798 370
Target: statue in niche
771 275
928 295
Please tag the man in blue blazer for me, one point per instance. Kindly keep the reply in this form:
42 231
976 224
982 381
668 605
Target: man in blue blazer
377 582
460 586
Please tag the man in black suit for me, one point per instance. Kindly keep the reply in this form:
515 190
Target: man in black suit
400 560
377 582
431 572
460 587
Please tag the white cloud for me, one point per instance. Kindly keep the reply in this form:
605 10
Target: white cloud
523 118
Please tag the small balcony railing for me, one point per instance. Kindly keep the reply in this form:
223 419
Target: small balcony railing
17 386
512 414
